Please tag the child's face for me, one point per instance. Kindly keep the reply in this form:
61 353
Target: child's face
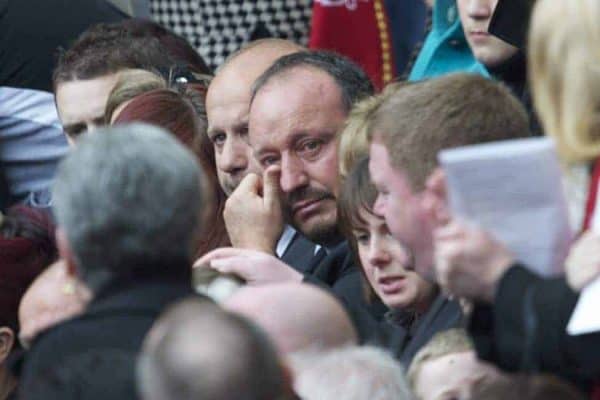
389 267
453 377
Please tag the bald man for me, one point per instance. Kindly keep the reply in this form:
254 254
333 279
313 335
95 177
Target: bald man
197 350
228 103
227 109
296 316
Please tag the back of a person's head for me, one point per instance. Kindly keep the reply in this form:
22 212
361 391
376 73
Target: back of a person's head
354 138
296 316
527 387
128 199
353 82
196 350
420 119
91 375
442 344
564 43
130 84
352 373
106 49
170 109
144 96
26 248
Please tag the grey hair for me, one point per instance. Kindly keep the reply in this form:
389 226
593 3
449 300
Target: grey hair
353 82
351 373
128 199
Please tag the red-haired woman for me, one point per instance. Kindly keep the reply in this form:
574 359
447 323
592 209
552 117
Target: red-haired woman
26 248
181 111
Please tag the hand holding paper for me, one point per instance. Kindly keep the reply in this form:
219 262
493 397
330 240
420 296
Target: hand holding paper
513 190
583 263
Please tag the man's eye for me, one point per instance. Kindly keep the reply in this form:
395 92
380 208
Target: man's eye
267 161
310 147
218 139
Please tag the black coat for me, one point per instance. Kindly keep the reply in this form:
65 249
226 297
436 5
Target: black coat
117 319
525 329
443 314
338 271
300 253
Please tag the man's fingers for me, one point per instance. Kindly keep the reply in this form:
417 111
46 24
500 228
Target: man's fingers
250 184
205 260
452 230
235 265
271 186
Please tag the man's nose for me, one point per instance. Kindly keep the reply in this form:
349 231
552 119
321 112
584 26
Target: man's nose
234 157
293 175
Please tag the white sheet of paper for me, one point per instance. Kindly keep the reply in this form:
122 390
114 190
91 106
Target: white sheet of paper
585 318
513 189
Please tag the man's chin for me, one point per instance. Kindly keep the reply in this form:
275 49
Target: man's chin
325 234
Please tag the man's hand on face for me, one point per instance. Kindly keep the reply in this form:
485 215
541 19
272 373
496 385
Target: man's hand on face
583 263
253 214
254 267
469 262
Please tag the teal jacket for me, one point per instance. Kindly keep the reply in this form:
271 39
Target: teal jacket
445 49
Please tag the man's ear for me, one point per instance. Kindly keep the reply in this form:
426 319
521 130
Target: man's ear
436 199
7 340
65 252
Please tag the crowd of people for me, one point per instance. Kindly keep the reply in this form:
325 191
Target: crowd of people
279 229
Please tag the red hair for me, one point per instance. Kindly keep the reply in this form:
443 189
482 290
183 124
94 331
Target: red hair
27 247
182 114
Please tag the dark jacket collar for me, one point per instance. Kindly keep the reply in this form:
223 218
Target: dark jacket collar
146 295
513 72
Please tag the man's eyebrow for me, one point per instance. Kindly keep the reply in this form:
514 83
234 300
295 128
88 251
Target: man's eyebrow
238 126
212 130
259 152
298 136
99 121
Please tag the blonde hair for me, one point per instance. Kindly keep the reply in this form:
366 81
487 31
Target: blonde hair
444 343
354 138
131 83
349 373
564 49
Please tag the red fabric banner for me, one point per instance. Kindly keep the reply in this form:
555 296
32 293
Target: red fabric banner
358 29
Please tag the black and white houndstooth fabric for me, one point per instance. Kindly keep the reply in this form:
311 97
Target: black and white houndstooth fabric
216 28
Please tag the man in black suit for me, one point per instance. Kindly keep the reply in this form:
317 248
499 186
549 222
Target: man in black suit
298 106
126 204
227 108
